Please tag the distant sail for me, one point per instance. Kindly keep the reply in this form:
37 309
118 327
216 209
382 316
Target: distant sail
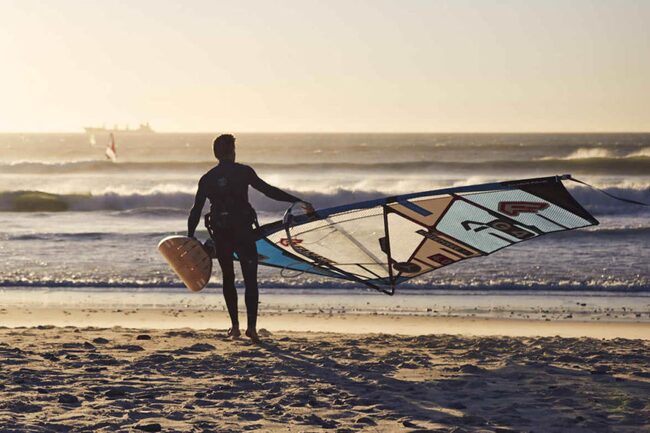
92 140
111 151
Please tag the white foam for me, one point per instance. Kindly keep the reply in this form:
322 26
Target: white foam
643 153
588 153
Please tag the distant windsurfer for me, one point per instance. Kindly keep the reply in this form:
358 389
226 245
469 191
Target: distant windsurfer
111 150
230 223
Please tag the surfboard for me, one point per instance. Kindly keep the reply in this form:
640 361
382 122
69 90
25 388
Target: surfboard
188 259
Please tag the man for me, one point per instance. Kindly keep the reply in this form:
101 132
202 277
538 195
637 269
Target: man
230 223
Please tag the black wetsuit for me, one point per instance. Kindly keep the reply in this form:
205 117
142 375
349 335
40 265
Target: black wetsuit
230 223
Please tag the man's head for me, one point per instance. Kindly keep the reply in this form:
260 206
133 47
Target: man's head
224 147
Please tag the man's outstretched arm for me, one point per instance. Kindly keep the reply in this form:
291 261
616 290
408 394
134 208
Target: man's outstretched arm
195 213
269 190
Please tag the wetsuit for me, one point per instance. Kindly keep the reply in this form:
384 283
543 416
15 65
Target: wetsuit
230 223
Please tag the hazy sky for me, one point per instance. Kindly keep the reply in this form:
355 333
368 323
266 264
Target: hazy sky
327 65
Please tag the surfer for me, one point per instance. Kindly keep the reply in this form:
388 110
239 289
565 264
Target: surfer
230 223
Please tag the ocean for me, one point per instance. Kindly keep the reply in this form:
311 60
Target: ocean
72 220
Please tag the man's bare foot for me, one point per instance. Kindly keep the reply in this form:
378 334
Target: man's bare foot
233 333
252 334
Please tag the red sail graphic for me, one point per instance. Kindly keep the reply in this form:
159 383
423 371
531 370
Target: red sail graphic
285 242
514 208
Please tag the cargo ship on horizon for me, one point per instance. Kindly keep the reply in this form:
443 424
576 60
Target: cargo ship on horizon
144 128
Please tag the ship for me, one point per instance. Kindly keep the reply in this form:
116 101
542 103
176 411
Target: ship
144 128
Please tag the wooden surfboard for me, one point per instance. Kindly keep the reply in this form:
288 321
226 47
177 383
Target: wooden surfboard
188 259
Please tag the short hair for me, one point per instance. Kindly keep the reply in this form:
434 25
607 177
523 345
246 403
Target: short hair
224 145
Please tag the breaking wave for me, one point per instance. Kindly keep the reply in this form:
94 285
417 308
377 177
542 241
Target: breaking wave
643 153
173 203
587 153
156 202
327 285
596 232
600 153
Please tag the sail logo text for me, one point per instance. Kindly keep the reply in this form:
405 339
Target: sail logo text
514 208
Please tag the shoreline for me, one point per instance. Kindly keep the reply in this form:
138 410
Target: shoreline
341 324
541 307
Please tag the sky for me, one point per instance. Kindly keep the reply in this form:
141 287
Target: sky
326 66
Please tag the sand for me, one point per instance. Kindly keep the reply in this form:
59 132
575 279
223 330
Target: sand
147 378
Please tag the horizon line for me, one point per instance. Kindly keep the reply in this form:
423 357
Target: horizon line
350 132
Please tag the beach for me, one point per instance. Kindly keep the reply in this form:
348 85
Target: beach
172 370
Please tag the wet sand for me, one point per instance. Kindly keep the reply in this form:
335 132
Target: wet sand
347 323
148 378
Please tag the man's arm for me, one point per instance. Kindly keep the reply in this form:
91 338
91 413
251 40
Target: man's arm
269 190
195 213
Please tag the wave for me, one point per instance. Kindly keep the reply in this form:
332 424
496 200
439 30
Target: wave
95 166
460 286
157 203
581 162
594 233
609 233
600 153
177 203
643 153
87 236
37 201
588 153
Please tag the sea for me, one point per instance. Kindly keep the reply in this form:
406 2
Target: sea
73 221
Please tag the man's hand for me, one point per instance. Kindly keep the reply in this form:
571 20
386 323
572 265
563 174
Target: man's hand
308 208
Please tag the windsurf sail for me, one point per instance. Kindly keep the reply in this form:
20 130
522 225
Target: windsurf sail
111 151
382 243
